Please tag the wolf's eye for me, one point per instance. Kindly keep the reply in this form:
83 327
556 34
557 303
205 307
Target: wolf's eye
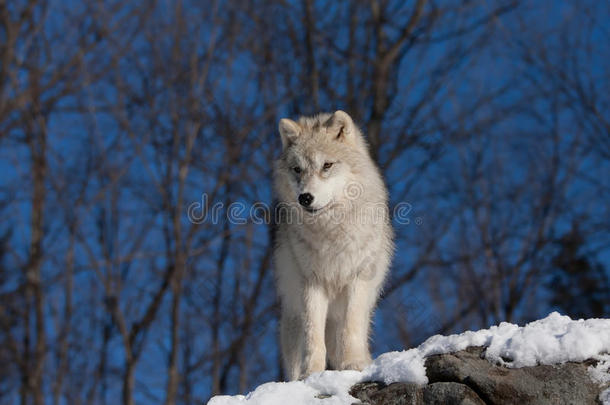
296 169
327 166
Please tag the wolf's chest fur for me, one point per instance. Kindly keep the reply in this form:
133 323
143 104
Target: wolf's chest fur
334 254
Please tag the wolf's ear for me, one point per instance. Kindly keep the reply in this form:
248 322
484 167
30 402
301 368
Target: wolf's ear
340 126
289 131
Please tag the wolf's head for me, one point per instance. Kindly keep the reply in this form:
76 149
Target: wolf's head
322 157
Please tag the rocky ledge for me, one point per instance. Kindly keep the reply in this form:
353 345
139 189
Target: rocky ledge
467 378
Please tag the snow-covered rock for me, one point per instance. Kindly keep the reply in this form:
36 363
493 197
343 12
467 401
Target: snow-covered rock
553 340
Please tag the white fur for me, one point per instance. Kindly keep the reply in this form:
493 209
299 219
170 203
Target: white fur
329 264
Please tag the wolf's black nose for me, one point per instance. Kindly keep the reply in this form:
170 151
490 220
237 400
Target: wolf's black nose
305 199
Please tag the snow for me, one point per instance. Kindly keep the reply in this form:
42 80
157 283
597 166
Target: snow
604 397
601 374
552 340
327 387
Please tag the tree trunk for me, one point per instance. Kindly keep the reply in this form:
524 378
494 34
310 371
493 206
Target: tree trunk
128 382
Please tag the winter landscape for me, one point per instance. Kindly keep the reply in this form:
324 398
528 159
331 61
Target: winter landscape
553 340
146 145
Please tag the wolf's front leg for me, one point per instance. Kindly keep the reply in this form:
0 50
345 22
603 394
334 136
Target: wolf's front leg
314 320
358 300
291 339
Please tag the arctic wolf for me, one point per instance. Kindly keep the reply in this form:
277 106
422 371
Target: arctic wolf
333 244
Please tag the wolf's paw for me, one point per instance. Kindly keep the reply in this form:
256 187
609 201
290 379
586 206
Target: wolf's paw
355 364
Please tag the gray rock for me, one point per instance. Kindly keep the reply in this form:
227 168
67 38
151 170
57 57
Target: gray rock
467 378
450 393
377 393
567 383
